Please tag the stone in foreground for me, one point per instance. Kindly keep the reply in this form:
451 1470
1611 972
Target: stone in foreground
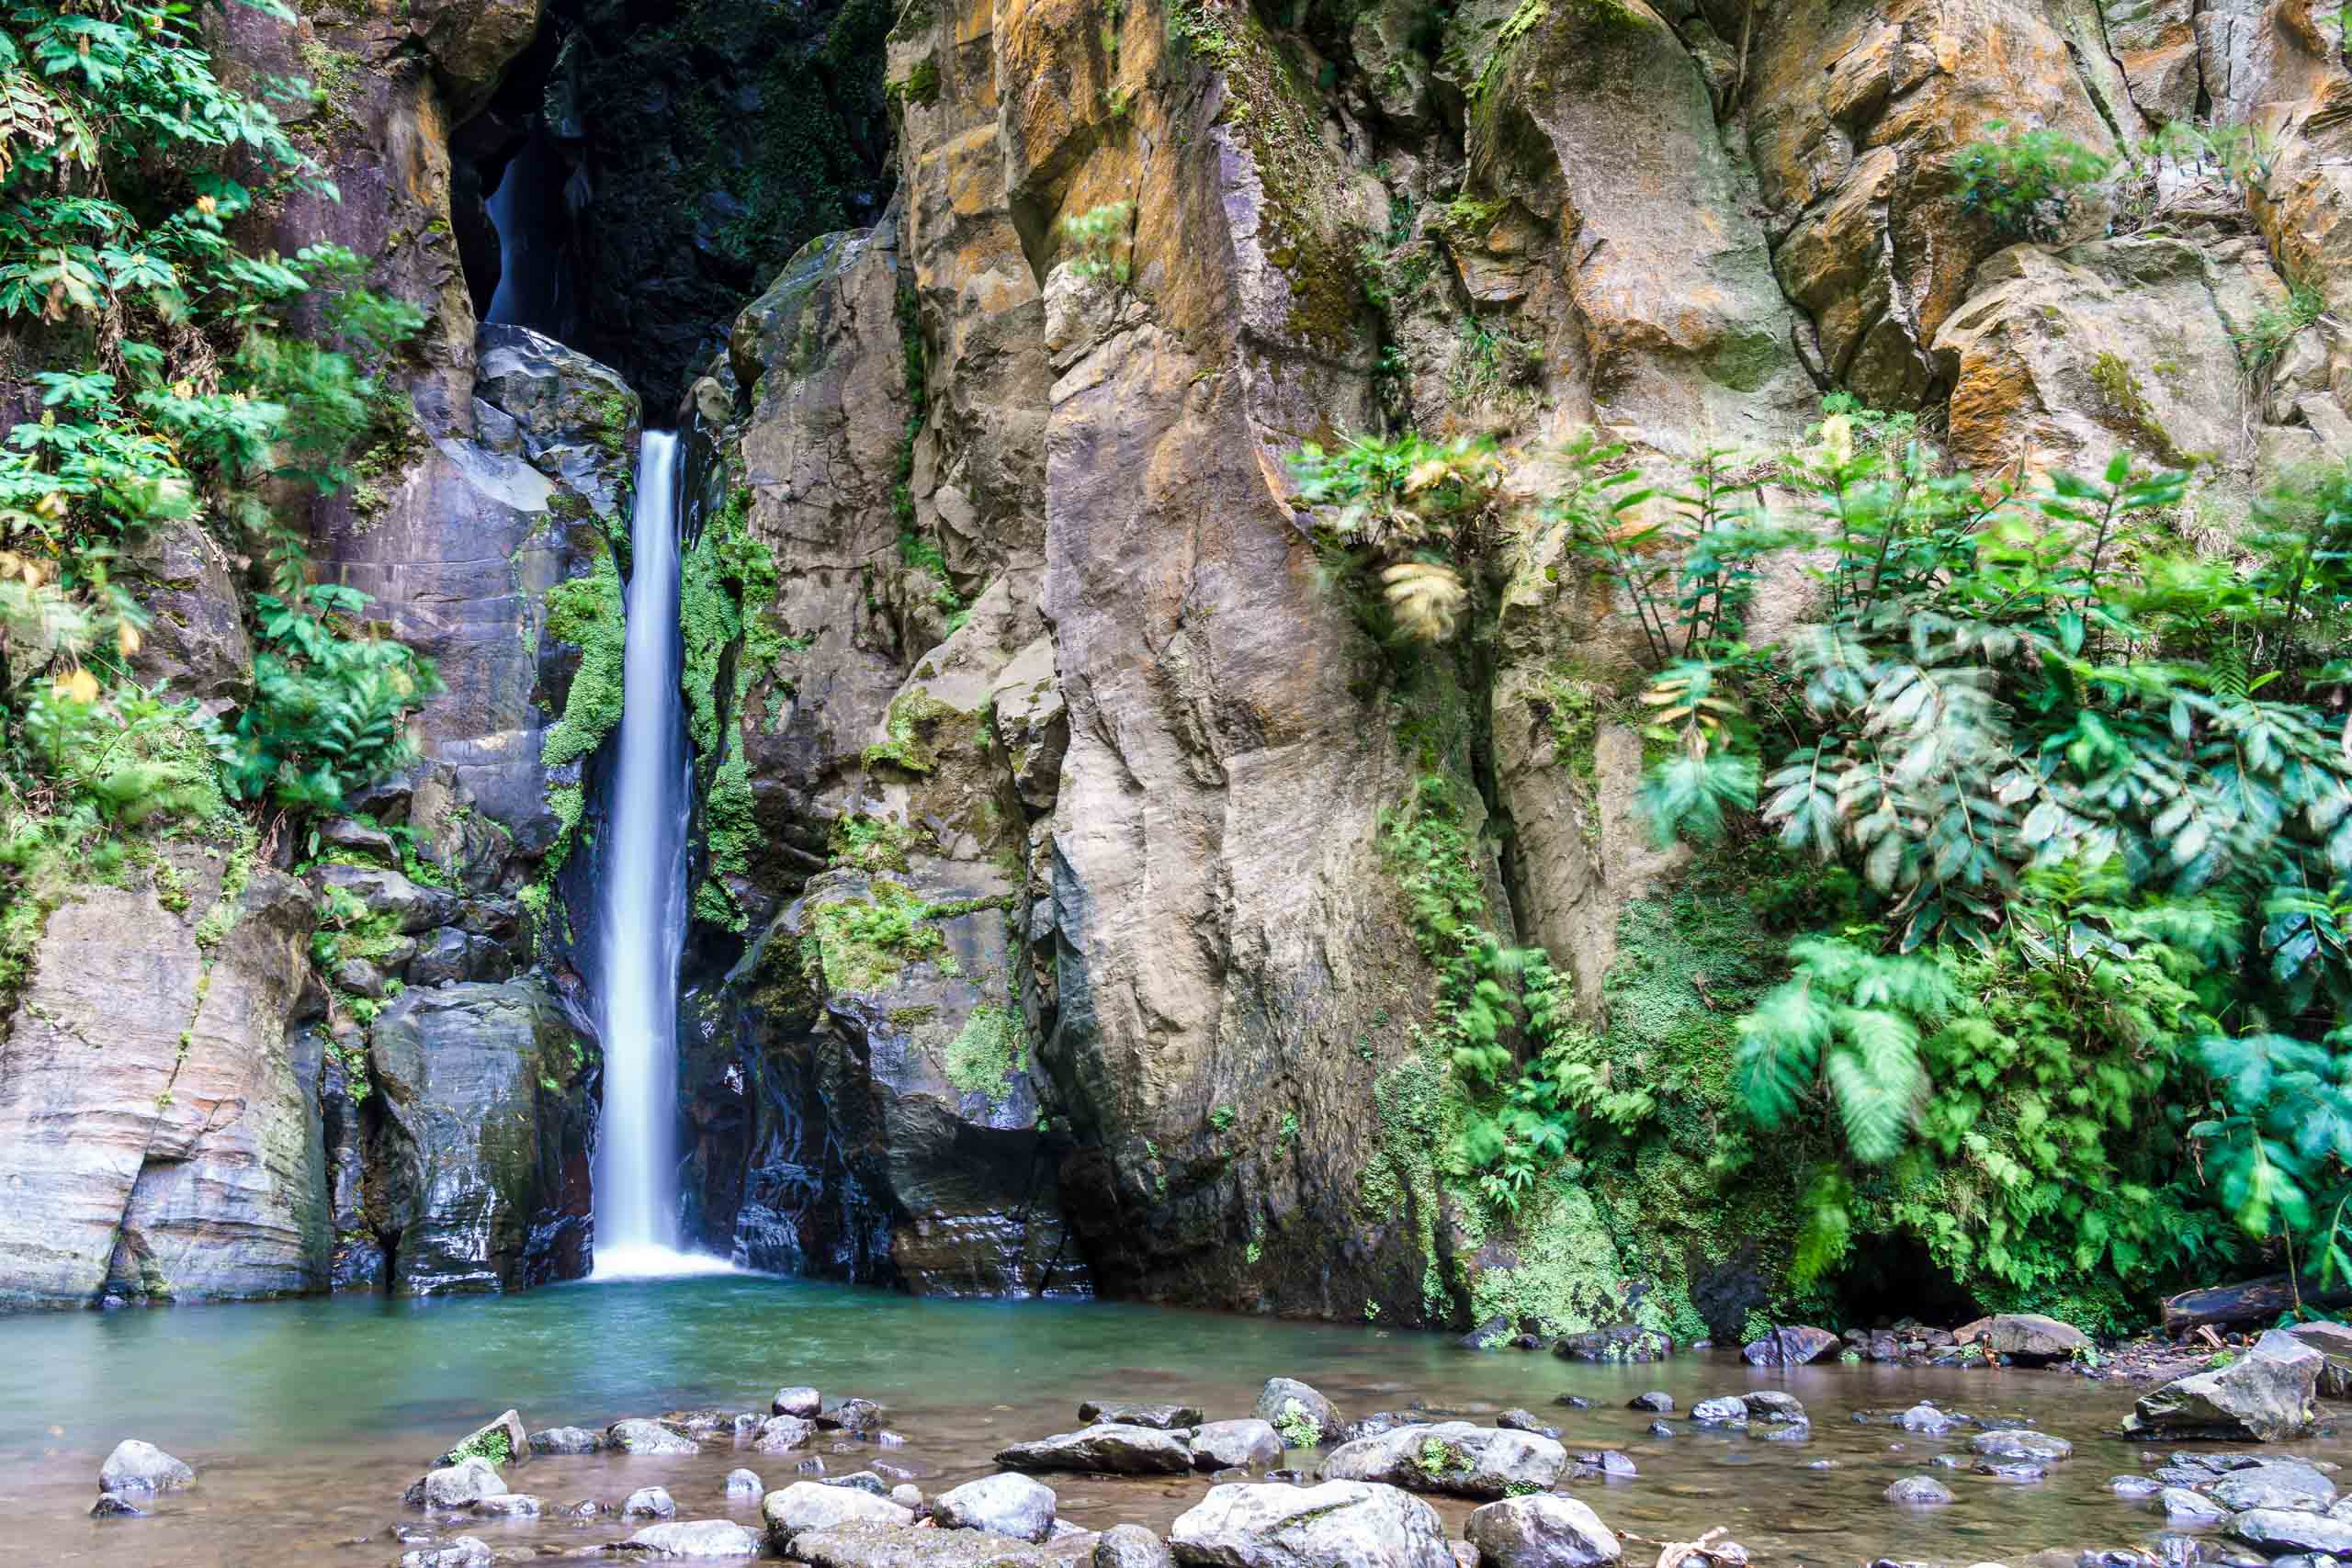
1340 1524
639 1437
902 1546
2263 1396
1131 1546
501 1440
801 1401
135 1467
456 1485
1452 1456
650 1503
1540 1532
806 1506
1919 1491
1006 1505
2276 1532
465 1551
782 1434
1247 1444
2032 1340
744 1484
1104 1449
696 1538
565 1440
1291 1408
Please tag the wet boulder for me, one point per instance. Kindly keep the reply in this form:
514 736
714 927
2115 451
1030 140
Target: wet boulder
799 1400
744 1484
1919 1491
782 1434
2020 1443
695 1538
1540 1532
510 1506
1724 1410
1340 1524
1006 1505
1452 1456
2334 1342
489 1111
2278 1530
1792 1347
2289 1484
1773 1407
463 1551
1247 1444
1131 1546
564 1440
805 1506
2265 1396
2183 1506
1303 1416
1657 1402
2030 1339
642 1437
458 1485
451 956
866 1544
1166 1417
1106 1449
501 1440
1526 1421
1925 1418
117 1505
136 1466
650 1503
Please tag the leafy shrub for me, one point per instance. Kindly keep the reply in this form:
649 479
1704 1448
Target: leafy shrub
1100 237
329 704
1416 516
2027 181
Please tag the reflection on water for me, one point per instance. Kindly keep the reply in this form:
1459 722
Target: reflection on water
305 1419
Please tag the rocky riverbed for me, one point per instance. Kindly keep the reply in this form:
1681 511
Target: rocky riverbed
851 1427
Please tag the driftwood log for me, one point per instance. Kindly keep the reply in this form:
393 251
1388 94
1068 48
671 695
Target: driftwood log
2257 1301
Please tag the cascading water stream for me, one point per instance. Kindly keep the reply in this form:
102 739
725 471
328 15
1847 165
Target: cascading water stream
641 906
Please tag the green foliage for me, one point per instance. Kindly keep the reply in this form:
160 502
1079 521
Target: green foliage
1297 1425
2096 815
1414 515
175 390
2263 342
1101 237
987 1052
329 704
2027 181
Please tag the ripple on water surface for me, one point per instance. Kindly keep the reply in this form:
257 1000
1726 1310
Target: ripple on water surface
305 1419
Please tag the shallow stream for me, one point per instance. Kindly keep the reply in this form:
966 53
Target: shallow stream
306 1419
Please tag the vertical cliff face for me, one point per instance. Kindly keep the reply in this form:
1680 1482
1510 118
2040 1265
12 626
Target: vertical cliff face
1050 931
1067 646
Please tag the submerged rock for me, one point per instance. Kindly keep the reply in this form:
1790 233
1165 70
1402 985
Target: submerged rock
1919 1491
1925 1418
1655 1401
511 1506
1006 1505
696 1538
871 1545
1452 1456
2020 1443
1727 1410
115 1505
1167 1418
2265 1396
857 1418
1246 1444
744 1484
2288 1485
1340 1524
1109 1449
564 1440
2183 1506
1793 1346
1540 1532
136 1466
1304 1417
1525 1421
465 1551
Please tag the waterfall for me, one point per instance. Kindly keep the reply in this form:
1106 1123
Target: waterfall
641 904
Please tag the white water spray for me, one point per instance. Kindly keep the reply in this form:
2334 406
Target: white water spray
642 907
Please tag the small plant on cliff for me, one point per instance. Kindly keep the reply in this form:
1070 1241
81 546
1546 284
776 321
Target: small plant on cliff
2027 182
1415 516
330 704
2273 327
1100 236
